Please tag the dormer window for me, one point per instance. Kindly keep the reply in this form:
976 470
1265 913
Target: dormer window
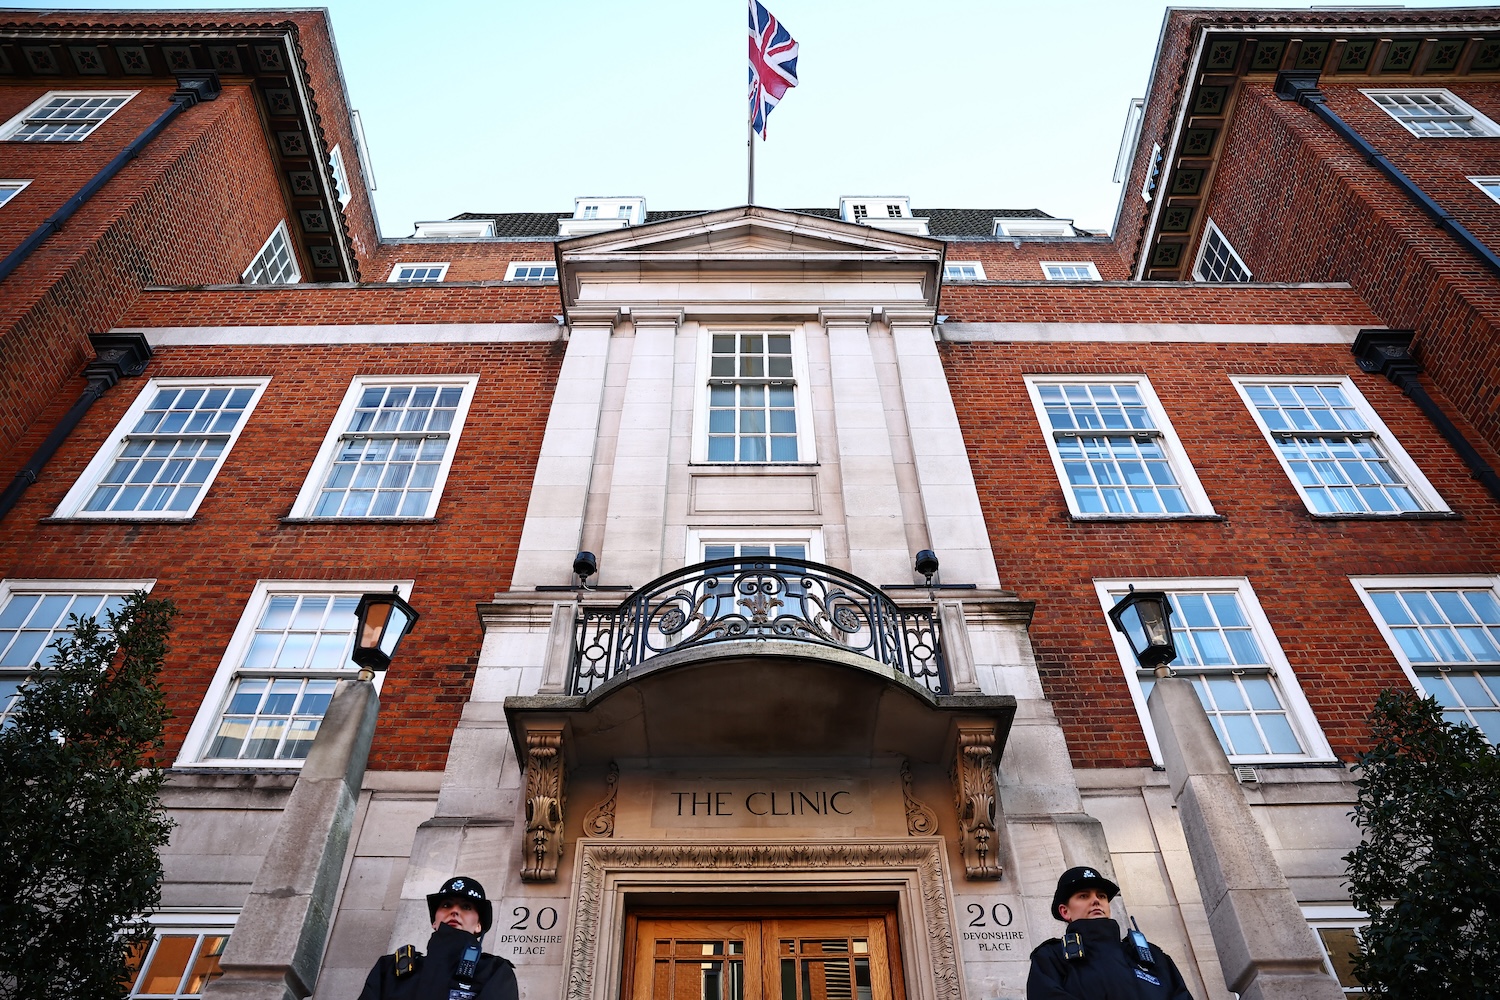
1034 227
624 213
590 212
601 213
893 211
861 212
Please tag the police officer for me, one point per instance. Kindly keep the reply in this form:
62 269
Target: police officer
1090 961
454 968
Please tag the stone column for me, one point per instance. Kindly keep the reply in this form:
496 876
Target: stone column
632 552
277 946
867 467
955 521
1265 947
560 486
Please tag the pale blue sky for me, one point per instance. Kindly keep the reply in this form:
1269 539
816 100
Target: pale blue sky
521 106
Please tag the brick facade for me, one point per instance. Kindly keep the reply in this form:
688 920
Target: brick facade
239 535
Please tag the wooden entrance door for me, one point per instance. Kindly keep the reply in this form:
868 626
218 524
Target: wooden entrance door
763 958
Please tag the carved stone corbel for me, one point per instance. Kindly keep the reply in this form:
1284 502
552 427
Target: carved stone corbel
974 795
921 821
600 821
544 805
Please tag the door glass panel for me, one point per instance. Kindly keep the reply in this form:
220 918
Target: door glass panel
827 969
698 970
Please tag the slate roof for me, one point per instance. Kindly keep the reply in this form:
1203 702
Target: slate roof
952 223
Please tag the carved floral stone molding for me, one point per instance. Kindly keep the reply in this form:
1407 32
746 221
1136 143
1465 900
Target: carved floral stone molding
600 821
598 860
974 795
921 821
544 805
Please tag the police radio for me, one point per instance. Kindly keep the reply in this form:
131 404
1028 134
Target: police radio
463 975
1142 949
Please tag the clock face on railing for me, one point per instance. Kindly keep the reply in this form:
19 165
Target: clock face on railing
776 598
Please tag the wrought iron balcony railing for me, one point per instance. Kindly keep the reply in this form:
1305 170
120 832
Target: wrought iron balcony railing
726 600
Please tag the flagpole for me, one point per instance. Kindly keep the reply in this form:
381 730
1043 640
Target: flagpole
750 144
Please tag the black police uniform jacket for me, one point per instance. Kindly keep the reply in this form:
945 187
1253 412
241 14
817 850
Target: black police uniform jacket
1108 969
494 978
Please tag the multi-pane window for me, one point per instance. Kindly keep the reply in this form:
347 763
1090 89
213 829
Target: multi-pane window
275 264
1226 649
1335 449
166 451
752 405
340 175
283 683
893 210
389 451
63 117
1114 449
1433 113
1217 260
792 595
861 212
9 189
1070 271
1449 638
419 273
590 212
521 270
623 212
31 619
963 270
177 963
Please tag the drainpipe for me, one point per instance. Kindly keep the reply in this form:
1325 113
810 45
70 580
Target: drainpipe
1302 87
117 355
1388 353
191 88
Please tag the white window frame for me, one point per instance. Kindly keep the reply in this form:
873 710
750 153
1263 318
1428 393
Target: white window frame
802 395
83 488
12 587
1364 585
14 125
1466 112
312 487
1092 272
1177 457
396 278
1489 185
279 233
1299 713
215 699
340 175
513 272
1212 228
198 921
1416 482
455 229
1022 228
1337 917
10 188
950 266
698 538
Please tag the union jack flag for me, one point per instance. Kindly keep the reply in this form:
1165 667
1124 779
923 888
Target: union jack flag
773 64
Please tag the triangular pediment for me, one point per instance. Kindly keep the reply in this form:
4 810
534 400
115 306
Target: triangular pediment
749 232
741 253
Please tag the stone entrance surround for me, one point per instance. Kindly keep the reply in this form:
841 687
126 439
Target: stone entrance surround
608 875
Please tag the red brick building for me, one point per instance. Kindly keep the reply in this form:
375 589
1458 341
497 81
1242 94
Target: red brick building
759 714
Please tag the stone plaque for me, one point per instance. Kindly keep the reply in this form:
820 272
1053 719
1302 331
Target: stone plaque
721 803
529 930
991 928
